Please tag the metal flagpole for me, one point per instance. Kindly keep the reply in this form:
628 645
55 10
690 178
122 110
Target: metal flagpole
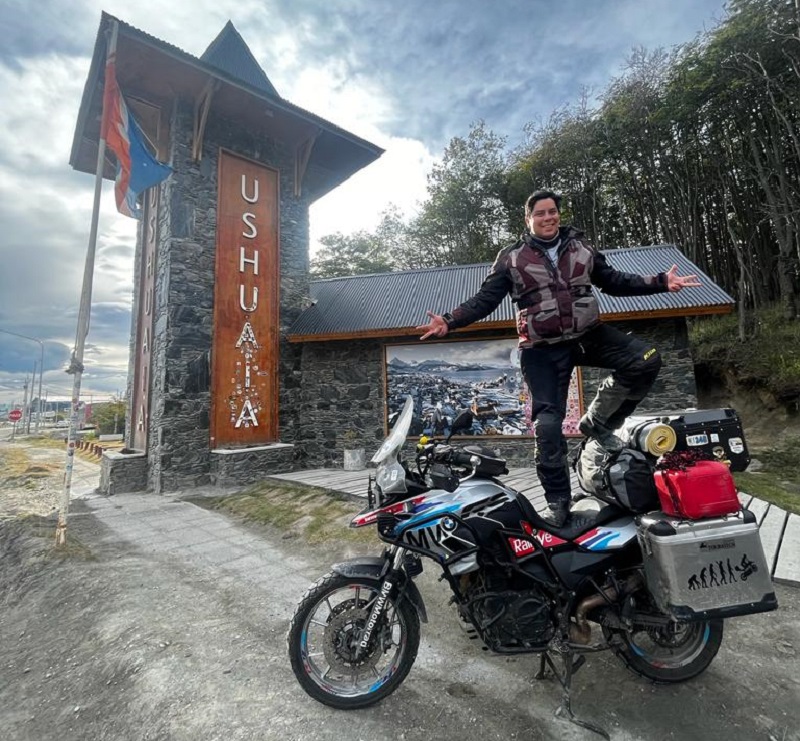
76 363
39 403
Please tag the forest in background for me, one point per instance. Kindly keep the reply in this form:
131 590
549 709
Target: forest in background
698 146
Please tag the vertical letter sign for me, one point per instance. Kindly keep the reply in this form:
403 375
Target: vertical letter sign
244 381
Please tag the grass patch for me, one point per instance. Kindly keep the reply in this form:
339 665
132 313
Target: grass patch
315 515
769 488
779 480
14 461
17 469
47 442
768 359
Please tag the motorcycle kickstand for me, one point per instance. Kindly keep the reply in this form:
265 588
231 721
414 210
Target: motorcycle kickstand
565 708
545 660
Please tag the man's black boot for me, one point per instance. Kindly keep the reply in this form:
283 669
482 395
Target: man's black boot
607 439
556 514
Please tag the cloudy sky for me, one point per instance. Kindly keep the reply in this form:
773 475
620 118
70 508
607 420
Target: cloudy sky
407 75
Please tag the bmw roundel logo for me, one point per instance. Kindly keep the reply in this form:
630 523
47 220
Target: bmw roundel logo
448 524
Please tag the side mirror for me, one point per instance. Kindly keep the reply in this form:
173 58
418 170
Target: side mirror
463 421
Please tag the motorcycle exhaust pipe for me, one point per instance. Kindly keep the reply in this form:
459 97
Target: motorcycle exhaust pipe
581 631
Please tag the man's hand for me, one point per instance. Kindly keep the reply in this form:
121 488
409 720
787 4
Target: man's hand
675 282
436 327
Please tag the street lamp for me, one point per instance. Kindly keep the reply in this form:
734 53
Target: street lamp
41 371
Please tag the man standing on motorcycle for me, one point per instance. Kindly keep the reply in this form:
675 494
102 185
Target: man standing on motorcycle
549 273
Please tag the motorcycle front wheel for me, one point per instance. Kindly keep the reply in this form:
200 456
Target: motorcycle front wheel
672 652
324 638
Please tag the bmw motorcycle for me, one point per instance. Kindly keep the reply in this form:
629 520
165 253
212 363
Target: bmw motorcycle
518 585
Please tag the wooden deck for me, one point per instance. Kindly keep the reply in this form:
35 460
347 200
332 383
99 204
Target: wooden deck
780 536
780 530
354 483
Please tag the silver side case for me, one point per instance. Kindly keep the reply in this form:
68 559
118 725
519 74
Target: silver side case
698 569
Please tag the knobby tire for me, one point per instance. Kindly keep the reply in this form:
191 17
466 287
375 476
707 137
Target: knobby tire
301 652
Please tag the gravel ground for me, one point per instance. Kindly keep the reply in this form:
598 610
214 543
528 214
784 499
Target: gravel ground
130 636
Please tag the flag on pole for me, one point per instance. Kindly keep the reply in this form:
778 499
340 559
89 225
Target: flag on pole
137 169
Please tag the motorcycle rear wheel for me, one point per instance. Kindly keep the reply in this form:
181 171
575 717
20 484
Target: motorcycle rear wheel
324 634
674 652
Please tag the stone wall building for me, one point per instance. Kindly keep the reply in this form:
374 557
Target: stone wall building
355 322
240 366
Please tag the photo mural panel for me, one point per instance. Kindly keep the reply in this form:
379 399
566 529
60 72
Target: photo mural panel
444 378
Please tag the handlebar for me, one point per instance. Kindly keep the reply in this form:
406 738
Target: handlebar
439 453
460 458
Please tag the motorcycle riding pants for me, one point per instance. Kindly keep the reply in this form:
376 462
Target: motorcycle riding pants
547 370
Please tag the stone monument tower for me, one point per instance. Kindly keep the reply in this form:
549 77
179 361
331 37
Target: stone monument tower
221 266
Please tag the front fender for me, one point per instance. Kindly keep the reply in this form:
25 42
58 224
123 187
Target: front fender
372 568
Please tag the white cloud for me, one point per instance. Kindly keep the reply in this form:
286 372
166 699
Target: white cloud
42 98
407 78
398 177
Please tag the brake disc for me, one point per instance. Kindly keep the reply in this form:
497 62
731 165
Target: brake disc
342 636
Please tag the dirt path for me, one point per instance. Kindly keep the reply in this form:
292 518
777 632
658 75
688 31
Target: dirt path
137 636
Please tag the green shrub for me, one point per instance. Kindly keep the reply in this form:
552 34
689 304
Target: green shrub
769 359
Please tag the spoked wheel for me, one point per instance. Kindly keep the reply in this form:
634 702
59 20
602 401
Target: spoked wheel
324 639
673 651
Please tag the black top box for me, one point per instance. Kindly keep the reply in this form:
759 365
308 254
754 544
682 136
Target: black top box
717 432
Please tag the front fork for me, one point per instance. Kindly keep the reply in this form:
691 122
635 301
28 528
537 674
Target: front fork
396 554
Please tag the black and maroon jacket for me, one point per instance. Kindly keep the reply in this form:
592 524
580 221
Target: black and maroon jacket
554 302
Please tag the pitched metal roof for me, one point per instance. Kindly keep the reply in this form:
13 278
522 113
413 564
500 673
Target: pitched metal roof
157 72
387 304
229 53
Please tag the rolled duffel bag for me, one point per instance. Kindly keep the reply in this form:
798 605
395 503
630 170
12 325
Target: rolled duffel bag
624 478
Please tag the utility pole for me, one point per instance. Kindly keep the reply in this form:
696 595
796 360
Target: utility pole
24 405
27 424
39 401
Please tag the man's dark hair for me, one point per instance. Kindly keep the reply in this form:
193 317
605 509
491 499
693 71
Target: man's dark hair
540 195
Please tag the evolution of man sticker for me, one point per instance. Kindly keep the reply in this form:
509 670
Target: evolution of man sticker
722 573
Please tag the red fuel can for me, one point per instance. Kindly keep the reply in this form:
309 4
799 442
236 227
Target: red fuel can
704 489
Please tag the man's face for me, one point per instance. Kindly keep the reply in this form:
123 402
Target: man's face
544 219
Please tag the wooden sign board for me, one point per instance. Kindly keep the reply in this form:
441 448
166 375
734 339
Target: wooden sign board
244 380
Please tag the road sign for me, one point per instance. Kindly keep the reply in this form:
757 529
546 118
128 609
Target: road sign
15 415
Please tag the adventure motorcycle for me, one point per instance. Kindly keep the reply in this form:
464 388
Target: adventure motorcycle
518 584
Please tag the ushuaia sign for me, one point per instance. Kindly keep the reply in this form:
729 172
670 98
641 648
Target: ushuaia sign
244 400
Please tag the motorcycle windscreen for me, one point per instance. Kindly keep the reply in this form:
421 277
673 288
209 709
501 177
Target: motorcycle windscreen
391 478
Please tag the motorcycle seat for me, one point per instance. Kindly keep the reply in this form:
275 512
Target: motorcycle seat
589 513
586 514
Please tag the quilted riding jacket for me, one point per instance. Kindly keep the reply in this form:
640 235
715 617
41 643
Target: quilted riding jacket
554 300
